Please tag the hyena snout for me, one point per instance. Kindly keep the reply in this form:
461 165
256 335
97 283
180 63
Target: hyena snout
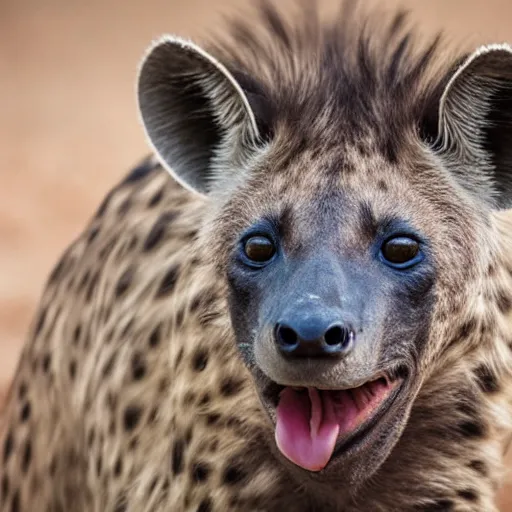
313 331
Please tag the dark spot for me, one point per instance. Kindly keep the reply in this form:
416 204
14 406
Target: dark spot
76 334
131 417
92 287
233 422
503 301
138 366
72 370
467 329
233 474
57 271
91 437
53 466
121 504
153 415
236 502
111 401
188 436
472 429
180 317
118 467
191 235
25 412
468 407
205 400
140 172
486 379
124 281
133 243
204 300
168 282
177 456
200 472
179 357
15 503
5 488
22 391
110 335
104 205
125 206
468 494
381 184
127 329
40 322
99 465
205 506
157 197
439 506
367 221
479 466
154 338
163 385
230 386
84 280
26 457
200 360
152 485
109 365
194 306
133 444
8 446
212 419
158 230
93 233
108 248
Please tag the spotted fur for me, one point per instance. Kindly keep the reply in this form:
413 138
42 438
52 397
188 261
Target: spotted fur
132 394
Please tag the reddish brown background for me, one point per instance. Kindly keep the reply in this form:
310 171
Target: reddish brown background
68 122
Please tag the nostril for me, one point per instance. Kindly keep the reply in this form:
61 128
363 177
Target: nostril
286 335
335 335
339 336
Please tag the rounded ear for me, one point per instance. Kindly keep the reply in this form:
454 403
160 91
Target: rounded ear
195 114
475 124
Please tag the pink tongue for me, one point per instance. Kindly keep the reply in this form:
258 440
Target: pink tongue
307 428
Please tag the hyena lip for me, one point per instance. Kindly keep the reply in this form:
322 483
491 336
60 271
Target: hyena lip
359 409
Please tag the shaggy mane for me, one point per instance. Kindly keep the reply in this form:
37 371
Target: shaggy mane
368 73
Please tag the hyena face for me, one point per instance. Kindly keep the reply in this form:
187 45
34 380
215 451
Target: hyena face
349 196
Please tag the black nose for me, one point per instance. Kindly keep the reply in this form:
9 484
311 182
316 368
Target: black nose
314 337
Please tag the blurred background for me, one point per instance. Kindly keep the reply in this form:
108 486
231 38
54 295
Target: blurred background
68 121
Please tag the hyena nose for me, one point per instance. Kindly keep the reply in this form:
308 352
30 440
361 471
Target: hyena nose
313 337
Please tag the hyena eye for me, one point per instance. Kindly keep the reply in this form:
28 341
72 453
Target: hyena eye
401 252
259 249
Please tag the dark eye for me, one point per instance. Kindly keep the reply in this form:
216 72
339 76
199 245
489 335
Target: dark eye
259 249
401 252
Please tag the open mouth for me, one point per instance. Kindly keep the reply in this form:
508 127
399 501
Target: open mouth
314 425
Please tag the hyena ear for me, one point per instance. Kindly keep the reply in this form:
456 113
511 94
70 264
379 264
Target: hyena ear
475 124
195 114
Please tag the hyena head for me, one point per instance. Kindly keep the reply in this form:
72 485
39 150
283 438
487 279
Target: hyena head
351 180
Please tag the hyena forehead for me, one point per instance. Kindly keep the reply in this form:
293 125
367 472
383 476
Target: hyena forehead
216 117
